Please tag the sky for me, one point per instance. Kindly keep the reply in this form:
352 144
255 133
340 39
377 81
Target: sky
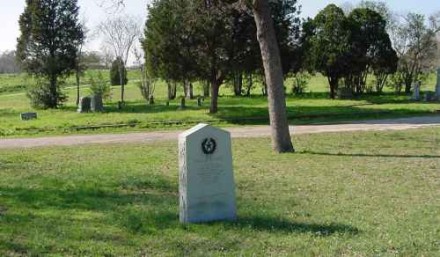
93 14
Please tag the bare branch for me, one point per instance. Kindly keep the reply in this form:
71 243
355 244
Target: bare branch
120 33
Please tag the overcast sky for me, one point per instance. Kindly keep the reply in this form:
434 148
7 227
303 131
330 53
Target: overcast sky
11 10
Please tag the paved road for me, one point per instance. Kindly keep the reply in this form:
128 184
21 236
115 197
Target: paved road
236 132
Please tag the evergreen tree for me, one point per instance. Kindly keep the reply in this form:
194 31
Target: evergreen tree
327 38
48 45
115 76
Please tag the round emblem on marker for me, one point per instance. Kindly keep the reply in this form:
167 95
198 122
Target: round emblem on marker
209 145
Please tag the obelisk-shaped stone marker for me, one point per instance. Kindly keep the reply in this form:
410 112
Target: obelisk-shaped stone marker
206 179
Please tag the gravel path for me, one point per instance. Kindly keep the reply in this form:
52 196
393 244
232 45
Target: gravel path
236 132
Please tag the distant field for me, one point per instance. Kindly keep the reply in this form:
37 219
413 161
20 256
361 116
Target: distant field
313 107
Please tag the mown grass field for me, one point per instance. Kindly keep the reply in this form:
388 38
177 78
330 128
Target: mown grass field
313 107
350 194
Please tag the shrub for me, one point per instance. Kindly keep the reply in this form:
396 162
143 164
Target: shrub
114 72
300 81
42 97
98 86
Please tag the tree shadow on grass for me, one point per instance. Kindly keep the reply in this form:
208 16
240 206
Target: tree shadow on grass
237 110
426 156
309 114
93 199
393 98
271 224
137 220
137 208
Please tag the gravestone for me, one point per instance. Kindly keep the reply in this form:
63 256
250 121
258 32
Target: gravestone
437 87
416 91
84 104
429 96
182 103
345 93
28 115
199 101
206 179
96 104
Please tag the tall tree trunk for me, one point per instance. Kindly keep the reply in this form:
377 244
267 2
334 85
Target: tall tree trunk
216 79
53 101
77 85
171 86
121 81
206 88
250 85
215 86
281 140
408 87
78 73
264 88
188 89
238 83
333 82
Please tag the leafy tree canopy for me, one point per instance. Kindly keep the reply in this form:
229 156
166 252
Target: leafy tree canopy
48 44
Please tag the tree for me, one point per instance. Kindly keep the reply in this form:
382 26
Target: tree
115 73
100 86
107 56
327 39
370 50
169 44
381 8
281 141
120 33
188 40
80 66
416 45
48 45
147 83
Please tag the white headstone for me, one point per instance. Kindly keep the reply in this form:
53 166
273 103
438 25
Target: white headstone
437 87
206 179
416 91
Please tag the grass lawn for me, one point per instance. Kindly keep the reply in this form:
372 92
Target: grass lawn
313 107
350 194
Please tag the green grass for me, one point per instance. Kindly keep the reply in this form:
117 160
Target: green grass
350 194
313 107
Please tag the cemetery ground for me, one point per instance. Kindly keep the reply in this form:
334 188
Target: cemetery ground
311 108
340 194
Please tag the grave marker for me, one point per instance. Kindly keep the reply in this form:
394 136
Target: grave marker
84 104
206 179
28 115
416 91
96 104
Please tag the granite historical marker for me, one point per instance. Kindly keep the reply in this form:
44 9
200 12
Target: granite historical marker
206 179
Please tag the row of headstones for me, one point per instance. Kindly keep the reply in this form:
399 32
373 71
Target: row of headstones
91 103
429 96
182 104
94 103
